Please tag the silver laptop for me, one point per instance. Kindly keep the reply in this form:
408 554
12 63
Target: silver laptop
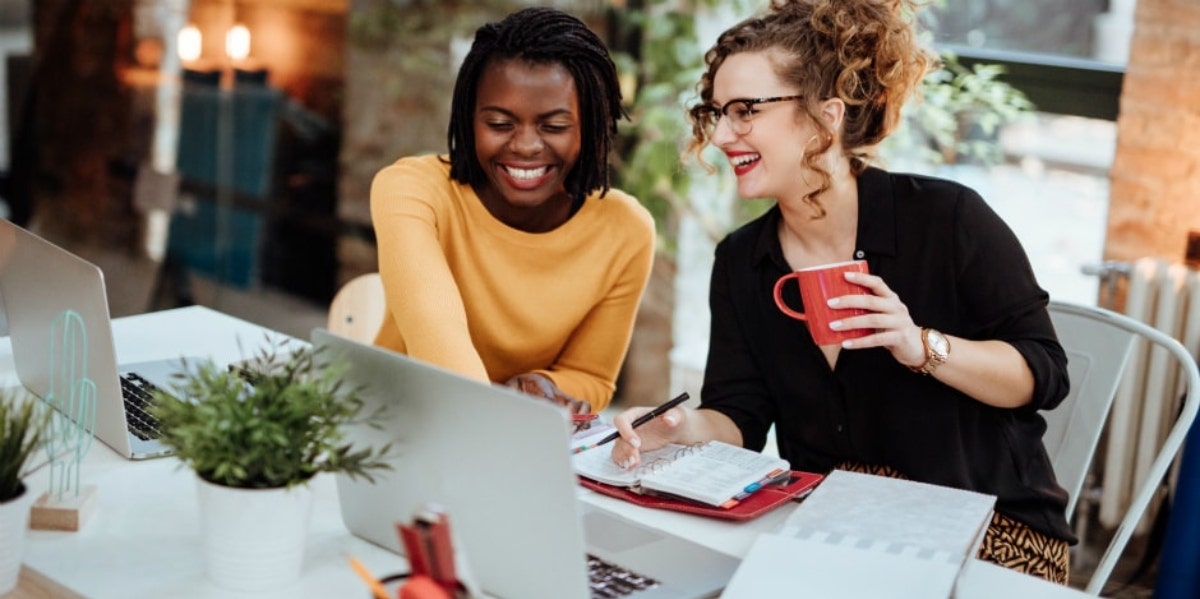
38 282
498 462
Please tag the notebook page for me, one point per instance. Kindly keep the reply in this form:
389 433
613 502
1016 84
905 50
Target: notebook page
897 512
713 473
859 535
598 465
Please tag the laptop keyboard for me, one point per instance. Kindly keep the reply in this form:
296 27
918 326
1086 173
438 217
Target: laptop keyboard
138 393
609 581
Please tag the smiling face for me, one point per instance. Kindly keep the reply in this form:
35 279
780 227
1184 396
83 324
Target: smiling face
527 139
769 159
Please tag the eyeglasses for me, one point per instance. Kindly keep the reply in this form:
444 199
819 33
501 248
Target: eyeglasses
739 111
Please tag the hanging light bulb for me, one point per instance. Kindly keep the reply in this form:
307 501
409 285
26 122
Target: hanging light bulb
237 42
189 41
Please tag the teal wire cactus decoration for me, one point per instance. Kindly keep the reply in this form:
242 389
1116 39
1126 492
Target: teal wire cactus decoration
73 395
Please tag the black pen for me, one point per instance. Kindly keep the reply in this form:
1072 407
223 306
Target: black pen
643 419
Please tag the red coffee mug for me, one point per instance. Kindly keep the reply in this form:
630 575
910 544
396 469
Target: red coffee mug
819 284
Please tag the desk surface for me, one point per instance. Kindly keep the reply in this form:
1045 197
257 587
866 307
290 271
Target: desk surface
144 538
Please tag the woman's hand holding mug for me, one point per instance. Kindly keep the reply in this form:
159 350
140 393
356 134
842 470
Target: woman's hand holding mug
818 285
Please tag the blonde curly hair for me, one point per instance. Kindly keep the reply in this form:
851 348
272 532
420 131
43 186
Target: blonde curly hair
863 52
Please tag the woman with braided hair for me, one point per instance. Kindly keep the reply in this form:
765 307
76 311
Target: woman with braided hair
959 354
511 259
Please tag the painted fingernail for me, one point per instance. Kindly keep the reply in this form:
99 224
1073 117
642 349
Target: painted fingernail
848 344
835 302
836 325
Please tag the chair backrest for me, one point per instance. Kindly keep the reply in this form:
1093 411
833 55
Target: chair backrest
1097 352
358 308
1098 342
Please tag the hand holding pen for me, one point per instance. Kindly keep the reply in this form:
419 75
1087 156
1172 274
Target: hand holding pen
639 421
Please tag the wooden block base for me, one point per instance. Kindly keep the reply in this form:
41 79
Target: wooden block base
69 514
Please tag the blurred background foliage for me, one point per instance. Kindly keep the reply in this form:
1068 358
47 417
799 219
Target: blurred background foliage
958 116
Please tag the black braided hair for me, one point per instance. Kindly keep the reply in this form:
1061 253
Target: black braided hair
542 35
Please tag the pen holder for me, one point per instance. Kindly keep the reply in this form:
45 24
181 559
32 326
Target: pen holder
404 586
430 550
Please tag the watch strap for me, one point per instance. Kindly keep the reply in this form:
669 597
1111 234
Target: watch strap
933 359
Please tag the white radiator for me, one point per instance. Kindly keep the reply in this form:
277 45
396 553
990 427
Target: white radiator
1167 297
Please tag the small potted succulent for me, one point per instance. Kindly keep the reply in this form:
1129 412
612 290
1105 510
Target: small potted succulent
255 436
23 426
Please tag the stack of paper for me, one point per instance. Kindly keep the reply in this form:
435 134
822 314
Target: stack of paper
860 535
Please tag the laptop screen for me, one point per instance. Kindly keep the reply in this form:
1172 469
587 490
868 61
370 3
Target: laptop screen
480 452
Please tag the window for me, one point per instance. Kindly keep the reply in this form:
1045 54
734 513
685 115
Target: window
1052 186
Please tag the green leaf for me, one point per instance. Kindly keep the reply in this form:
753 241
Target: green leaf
278 432
24 427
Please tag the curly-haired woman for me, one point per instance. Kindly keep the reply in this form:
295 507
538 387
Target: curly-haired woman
959 355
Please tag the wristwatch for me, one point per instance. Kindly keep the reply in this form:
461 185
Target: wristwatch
937 350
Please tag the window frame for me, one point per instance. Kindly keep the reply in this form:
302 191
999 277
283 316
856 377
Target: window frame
1055 84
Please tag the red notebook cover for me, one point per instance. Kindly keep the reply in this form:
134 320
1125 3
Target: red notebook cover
762 501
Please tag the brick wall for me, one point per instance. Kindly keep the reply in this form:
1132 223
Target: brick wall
301 42
76 141
1155 197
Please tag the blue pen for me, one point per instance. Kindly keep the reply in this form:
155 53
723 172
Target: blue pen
752 487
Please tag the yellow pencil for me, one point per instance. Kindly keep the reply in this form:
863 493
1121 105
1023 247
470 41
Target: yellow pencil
376 587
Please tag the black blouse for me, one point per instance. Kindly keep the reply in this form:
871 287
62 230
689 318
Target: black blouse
959 269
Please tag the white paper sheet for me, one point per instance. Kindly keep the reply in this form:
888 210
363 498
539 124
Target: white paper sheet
896 511
860 535
816 565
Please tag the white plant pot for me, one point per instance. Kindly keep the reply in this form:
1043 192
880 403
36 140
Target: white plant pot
253 538
14 527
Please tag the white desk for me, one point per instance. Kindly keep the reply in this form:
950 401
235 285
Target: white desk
144 538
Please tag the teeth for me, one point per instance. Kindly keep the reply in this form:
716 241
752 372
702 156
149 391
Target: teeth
526 173
744 159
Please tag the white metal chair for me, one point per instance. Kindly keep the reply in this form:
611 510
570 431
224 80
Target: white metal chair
1098 343
358 308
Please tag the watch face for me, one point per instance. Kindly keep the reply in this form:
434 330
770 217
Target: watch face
938 343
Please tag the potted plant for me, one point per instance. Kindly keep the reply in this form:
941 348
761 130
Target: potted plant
255 436
22 428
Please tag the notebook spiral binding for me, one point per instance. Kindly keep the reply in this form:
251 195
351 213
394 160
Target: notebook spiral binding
663 462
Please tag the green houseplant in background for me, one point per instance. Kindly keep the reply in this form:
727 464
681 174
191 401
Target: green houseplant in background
959 115
23 425
255 436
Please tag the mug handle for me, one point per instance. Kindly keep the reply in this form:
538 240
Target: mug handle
779 296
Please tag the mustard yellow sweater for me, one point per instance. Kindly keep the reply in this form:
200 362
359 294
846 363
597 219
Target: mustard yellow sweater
470 294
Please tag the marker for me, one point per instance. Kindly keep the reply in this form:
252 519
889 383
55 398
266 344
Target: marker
752 487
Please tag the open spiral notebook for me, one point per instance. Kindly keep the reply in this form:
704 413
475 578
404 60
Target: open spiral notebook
713 473
712 479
